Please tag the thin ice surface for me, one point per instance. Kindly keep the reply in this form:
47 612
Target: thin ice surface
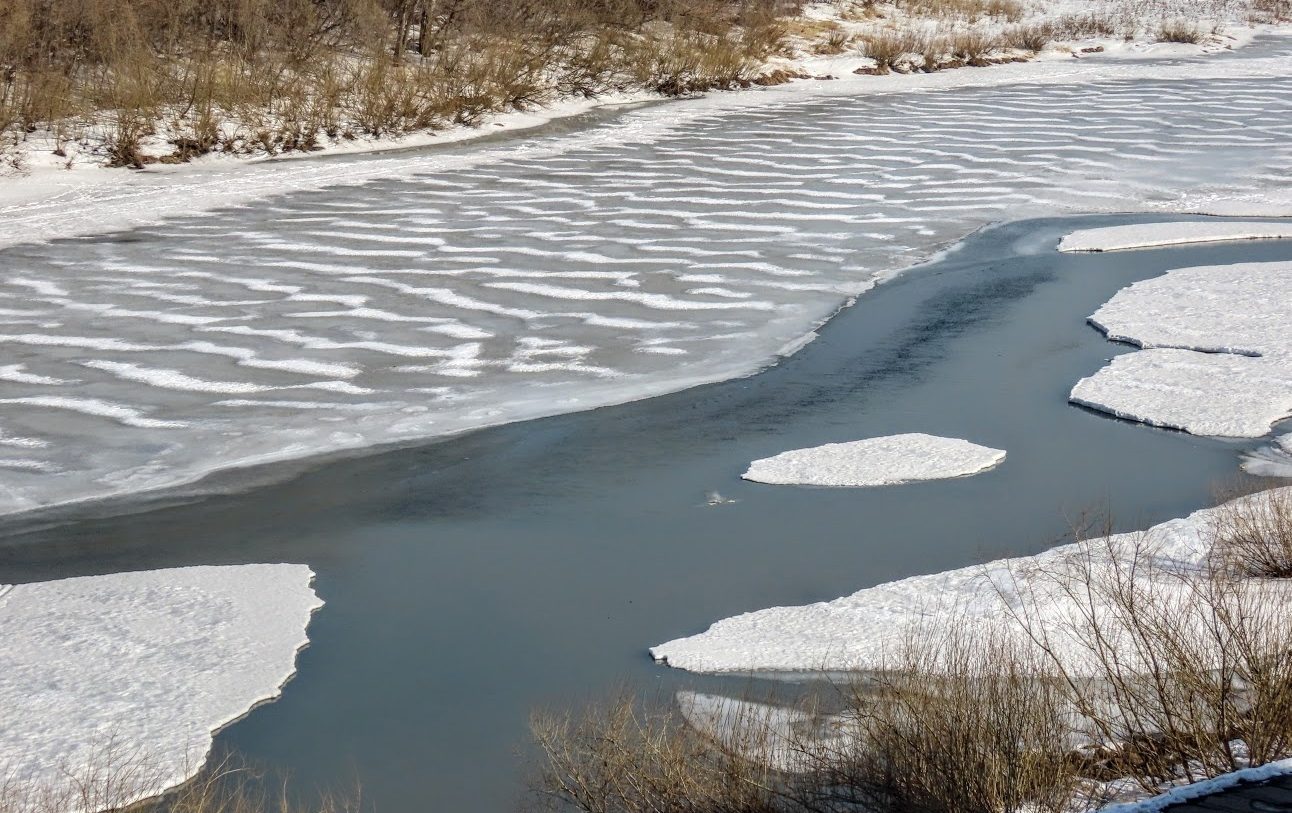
1218 357
866 630
127 676
561 274
876 462
1150 235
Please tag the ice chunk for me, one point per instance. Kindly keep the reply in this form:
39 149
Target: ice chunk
128 675
876 462
1220 357
1150 235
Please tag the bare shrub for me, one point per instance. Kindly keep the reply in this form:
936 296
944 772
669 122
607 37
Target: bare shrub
887 47
1253 534
960 723
1032 38
1177 671
973 47
1183 31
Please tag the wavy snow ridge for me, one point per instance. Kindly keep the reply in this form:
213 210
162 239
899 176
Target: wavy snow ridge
126 677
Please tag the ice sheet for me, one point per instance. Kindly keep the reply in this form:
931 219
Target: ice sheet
876 462
119 681
1149 235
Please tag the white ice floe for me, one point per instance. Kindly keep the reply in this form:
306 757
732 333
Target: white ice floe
1218 351
1151 235
876 462
126 677
1021 597
1274 460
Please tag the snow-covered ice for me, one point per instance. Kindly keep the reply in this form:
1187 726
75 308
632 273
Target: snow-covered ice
418 295
866 630
1274 460
876 462
126 677
1151 235
1218 350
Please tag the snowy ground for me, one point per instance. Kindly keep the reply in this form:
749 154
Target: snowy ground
427 293
1218 351
1150 235
117 683
876 462
868 629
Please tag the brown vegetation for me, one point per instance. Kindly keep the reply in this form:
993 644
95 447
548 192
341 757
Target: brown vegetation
276 75
1179 31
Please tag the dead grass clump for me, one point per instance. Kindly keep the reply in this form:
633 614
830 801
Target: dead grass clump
887 48
1032 38
1183 31
1084 26
973 47
623 758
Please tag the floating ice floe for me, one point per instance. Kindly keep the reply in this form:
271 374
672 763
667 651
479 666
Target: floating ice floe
1218 351
876 462
1022 597
117 683
1274 460
1152 235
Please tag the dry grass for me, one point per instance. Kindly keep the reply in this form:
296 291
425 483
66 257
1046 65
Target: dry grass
279 75
964 10
226 785
1185 31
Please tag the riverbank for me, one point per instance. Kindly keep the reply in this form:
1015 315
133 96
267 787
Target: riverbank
59 185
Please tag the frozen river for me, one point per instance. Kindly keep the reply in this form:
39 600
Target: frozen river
469 581
564 272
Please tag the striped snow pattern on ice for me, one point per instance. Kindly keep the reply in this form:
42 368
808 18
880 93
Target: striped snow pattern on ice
551 280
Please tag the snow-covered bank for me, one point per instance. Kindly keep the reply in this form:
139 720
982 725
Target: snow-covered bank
429 293
1151 235
868 629
1196 790
116 684
876 462
1218 351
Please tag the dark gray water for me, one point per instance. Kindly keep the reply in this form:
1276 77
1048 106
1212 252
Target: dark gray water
471 580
